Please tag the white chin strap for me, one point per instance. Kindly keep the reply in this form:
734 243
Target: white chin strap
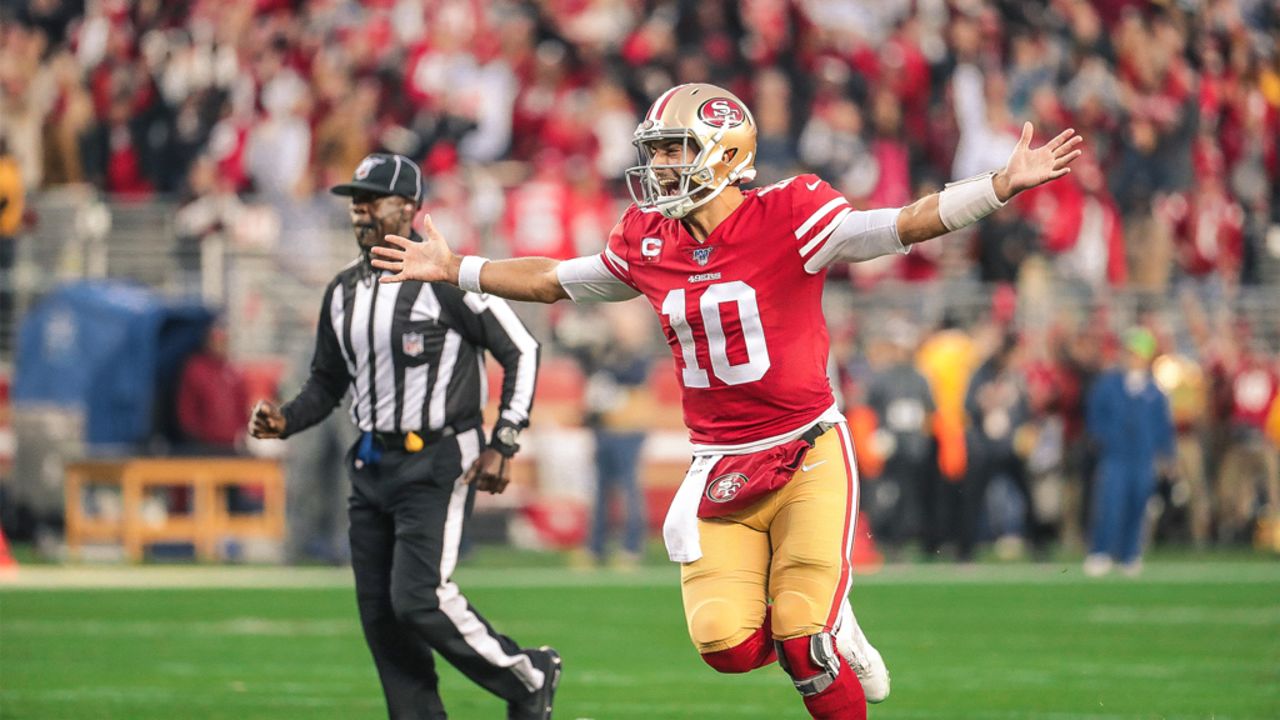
679 207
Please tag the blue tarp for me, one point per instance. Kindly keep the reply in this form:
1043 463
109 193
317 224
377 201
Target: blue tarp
111 349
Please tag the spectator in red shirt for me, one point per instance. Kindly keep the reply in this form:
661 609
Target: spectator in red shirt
536 220
1250 463
212 399
114 156
1082 228
1208 229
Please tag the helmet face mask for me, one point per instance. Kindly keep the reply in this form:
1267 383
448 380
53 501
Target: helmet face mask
718 138
668 187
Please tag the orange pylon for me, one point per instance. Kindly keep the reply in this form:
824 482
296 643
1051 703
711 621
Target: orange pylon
8 566
866 558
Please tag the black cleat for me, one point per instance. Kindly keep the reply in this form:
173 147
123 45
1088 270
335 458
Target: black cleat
538 706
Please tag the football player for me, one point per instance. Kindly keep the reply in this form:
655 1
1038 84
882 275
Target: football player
763 522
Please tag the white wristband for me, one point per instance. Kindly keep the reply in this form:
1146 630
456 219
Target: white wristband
469 273
965 202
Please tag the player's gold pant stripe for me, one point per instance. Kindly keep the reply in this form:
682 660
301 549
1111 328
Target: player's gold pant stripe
791 548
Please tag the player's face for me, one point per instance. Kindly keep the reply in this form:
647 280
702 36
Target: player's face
375 216
669 153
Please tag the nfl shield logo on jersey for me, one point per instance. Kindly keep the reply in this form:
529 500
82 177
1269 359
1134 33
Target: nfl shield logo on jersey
702 255
413 344
726 487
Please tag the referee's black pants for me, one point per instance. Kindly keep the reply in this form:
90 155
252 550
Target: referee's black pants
407 513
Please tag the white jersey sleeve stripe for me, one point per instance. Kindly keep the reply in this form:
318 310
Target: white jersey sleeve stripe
613 256
830 228
821 213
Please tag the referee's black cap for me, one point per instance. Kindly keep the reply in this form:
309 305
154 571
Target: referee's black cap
384 174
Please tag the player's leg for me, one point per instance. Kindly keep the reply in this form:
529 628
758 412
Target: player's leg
862 656
430 509
635 510
406 668
1108 505
606 470
1039 531
724 594
1269 458
1137 491
1235 492
1190 460
812 538
972 494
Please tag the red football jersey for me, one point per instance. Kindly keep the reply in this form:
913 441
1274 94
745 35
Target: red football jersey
742 315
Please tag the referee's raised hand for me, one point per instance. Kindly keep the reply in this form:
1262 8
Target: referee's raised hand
427 261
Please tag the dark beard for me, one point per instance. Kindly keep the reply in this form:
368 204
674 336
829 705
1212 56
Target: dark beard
366 251
366 234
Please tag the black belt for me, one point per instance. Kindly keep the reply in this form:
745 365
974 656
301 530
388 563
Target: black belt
816 431
394 440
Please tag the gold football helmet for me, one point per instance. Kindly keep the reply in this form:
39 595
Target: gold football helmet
716 129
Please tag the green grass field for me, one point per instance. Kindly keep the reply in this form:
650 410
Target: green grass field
1190 639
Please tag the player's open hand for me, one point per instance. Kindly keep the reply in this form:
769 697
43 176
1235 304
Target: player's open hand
427 261
491 472
266 422
1028 168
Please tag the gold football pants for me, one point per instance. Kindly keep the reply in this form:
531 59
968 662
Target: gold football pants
790 549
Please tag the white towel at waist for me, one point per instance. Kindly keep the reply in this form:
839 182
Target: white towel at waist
680 529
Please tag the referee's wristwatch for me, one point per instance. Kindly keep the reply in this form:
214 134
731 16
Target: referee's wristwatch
505 440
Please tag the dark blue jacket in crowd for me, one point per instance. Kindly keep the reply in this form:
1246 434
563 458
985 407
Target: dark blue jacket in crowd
1129 431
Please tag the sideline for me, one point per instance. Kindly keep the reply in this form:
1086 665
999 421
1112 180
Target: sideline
273 577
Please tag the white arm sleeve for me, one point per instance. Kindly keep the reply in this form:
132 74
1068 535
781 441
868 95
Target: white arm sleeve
863 235
587 280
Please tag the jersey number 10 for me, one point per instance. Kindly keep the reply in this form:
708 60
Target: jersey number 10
757 364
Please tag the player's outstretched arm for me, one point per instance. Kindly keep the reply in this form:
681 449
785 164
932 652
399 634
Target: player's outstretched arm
967 201
529 279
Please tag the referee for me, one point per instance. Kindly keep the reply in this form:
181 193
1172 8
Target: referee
412 356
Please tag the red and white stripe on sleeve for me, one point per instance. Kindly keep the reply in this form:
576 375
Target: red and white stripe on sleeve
819 209
614 255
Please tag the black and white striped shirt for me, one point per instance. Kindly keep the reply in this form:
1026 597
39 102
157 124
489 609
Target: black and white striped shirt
412 355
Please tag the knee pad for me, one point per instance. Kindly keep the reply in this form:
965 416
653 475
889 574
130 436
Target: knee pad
795 614
715 625
811 661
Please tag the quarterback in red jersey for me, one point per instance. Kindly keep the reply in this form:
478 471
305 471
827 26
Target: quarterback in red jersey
763 522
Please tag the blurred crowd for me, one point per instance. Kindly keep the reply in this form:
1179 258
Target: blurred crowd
989 433
522 113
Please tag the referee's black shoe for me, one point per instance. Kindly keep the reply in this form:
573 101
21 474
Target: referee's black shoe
538 706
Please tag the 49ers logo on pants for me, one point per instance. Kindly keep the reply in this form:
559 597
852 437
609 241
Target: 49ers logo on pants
726 487
722 113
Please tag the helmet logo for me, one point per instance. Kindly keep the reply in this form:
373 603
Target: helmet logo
722 113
